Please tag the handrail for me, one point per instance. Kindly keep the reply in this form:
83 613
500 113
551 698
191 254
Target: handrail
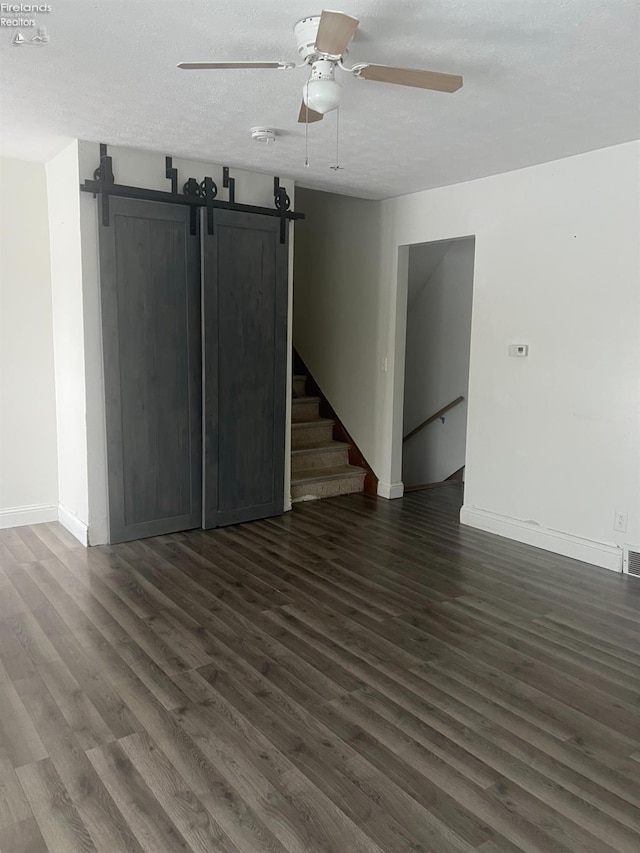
437 415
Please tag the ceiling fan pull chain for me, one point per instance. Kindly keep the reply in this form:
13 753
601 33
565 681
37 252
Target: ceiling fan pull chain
306 131
337 164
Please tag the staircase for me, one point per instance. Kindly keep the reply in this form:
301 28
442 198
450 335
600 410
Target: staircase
319 465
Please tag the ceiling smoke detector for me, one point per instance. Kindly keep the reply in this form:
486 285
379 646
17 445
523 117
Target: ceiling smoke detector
263 135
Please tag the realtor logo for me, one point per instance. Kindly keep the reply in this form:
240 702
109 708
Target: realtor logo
42 37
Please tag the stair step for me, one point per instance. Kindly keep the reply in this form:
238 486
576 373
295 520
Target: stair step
308 433
299 384
327 482
304 408
313 475
324 454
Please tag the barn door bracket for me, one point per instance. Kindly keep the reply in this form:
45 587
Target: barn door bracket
205 191
229 183
210 191
104 176
194 193
171 173
282 203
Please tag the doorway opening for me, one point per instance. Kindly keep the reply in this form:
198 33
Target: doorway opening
436 369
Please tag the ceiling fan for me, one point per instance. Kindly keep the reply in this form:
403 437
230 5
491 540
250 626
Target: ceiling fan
323 41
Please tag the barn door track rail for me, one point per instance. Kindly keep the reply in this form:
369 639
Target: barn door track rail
194 193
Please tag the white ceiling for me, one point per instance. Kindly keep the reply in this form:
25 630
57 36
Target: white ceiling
544 79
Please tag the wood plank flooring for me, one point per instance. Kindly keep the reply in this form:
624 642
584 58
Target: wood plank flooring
357 676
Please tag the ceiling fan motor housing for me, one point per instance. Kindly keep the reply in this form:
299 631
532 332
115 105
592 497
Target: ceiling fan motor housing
305 32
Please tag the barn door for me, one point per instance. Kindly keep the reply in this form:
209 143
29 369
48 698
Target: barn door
245 299
150 286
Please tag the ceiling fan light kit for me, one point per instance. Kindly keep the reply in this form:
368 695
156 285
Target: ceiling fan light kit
321 93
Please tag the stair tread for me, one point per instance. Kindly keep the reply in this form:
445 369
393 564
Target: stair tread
312 475
305 399
312 423
320 445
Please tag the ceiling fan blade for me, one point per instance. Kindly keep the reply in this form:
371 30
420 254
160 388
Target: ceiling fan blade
335 32
190 66
412 77
307 115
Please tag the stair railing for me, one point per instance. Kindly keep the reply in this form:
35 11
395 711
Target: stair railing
439 414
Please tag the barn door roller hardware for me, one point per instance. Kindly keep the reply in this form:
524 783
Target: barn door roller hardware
194 193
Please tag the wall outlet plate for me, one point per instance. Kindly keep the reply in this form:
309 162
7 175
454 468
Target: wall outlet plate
620 521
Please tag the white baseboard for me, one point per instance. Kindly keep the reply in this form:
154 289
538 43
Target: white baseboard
18 516
587 550
390 490
74 525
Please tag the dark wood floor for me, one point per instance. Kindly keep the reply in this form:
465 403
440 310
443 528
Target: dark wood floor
358 675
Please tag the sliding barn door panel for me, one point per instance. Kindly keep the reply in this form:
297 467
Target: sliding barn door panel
150 284
245 303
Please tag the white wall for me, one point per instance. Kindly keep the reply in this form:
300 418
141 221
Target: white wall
143 169
338 319
68 339
437 358
28 459
423 261
553 447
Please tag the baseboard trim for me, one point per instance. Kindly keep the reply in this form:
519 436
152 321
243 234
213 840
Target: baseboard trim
74 525
391 491
587 550
19 516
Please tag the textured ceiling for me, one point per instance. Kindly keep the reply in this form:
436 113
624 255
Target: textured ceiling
544 79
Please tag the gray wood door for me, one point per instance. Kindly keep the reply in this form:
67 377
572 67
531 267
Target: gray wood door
150 293
245 303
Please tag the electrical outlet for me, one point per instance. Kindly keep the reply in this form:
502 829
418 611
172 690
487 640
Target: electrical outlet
620 522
